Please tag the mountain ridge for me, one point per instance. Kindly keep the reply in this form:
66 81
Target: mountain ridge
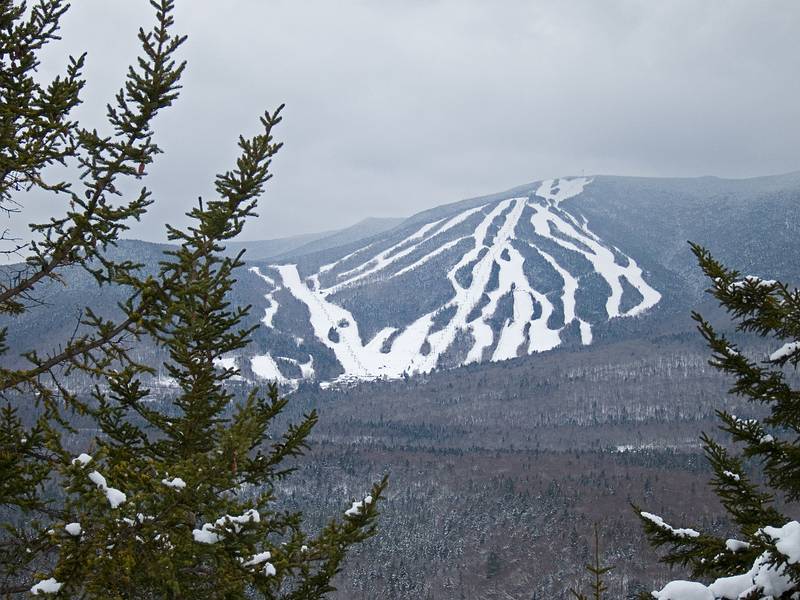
378 307
493 277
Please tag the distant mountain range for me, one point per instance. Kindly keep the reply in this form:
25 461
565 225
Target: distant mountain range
312 242
558 263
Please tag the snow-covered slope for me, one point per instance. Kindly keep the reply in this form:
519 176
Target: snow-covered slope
552 264
491 281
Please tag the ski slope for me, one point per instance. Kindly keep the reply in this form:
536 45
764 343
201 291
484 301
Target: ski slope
420 345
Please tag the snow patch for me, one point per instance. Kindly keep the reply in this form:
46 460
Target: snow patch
659 522
784 351
82 460
211 533
47 586
176 483
114 496
265 367
684 590
257 559
767 577
787 540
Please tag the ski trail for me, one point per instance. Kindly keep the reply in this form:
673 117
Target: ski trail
428 257
384 259
520 332
601 258
401 250
269 311
568 296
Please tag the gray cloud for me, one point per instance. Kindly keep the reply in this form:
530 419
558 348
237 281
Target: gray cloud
393 107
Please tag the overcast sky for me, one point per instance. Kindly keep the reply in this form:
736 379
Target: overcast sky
397 106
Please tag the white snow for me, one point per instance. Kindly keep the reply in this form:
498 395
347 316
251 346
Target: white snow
211 533
165 381
328 267
784 351
736 545
175 483
115 497
586 332
354 510
659 522
205 535
47 586
249 516
770 581
459 218
731 475
227 362
386 258
264 366
307 368
730 588
429 256
568 296
753 280
257 559
684 590
402 249
358 507
511 278
82 459
74 529
567 188
269 570
787 540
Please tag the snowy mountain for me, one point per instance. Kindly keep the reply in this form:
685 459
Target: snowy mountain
556 264
499 277
511 277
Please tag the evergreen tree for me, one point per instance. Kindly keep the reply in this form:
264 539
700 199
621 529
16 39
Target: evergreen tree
175 500
597 571
761 559
37 133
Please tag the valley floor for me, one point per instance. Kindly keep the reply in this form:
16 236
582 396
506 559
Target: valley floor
498 474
